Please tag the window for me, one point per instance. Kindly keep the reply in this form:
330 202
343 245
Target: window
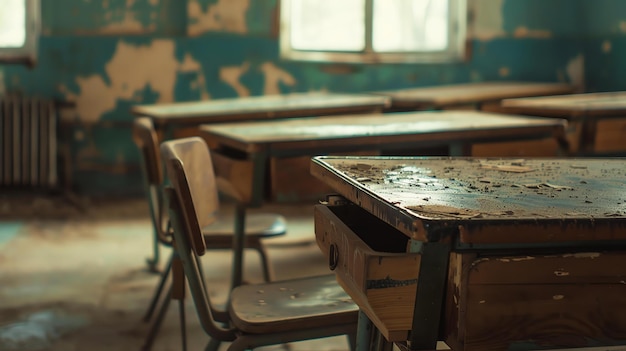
373 30
19 30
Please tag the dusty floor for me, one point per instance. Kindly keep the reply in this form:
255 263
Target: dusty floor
74 277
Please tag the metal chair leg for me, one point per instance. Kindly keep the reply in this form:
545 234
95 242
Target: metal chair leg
147 346
183 331
267 269
158 291
153 263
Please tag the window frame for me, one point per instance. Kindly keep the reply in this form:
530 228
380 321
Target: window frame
456 51
28 52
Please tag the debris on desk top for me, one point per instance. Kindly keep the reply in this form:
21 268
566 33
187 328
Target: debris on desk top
472 188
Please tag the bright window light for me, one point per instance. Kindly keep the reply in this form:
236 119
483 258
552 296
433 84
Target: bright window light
410 25
333 25
12 23
373 31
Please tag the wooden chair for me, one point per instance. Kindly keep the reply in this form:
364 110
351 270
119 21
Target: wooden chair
219 235
260 314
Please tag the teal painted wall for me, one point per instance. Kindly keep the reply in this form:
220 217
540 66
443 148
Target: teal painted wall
108 55
605 45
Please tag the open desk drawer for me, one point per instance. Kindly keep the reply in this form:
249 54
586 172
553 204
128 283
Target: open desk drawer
372 266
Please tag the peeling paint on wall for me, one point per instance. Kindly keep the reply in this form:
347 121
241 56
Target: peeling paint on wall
524 32
191 65
576 71
274 76
128 26
488 22
232 74
131 69
225 15
622 26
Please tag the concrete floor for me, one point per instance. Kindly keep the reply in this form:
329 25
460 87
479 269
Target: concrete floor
74 277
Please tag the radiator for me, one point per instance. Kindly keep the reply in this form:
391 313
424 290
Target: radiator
28 142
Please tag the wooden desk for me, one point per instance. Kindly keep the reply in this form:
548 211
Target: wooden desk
597 120
192 114
242 151
485 254
475 94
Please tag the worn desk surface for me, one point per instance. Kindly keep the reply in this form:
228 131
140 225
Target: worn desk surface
546 193
470 93
377 130
260 107
572 106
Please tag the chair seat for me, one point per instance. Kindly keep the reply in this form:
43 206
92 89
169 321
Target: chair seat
258 226
296 304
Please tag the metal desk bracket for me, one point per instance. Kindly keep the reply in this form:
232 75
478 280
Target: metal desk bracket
431 288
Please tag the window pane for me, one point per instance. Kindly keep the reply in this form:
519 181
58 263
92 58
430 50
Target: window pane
12 23
336 25
410 25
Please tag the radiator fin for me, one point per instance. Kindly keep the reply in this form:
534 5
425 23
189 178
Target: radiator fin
28 149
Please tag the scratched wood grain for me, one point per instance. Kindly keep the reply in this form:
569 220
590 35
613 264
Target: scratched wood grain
558 301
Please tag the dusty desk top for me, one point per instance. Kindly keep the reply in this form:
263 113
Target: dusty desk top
538 200
377 129
576 105
261 107
470 93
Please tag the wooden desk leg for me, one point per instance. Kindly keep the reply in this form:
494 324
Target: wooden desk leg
238 243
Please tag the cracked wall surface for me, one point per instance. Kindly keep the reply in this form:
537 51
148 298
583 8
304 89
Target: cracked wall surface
108 55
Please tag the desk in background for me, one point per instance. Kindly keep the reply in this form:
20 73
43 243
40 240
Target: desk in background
242 152
597 120
182 119
484 254
472 95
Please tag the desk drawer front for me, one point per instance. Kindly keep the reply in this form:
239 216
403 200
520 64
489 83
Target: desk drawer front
569 300
382 283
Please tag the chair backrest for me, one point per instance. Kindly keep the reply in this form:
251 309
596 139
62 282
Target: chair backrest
193 203
146 139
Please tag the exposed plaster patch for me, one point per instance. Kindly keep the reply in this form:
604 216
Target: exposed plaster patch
191 65
128 25
273 77
154 2
576 71
524 32
232 74
488 22
622 26
607 46
225 15
131 69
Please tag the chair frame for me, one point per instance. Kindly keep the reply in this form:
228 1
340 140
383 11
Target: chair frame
145 137
187 216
